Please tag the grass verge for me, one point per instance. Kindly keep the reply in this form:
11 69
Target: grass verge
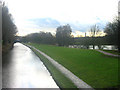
62 81
91 66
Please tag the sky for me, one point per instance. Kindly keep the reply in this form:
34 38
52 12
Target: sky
46 15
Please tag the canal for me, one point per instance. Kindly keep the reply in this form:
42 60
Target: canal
23 69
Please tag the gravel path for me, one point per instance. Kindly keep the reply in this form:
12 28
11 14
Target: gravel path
109 54
78 82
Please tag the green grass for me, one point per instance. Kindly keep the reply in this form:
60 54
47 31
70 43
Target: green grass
62 81
112 51
93 67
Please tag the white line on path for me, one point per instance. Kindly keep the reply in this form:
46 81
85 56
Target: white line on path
78 82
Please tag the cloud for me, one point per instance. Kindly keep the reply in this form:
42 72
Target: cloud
84 27
45 22
50 25
36 25
47 15
64 10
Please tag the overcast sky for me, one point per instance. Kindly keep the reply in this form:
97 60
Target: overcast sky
46 15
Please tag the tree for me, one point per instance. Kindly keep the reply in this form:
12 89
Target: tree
112 31
63 35
94 31
9 29
41 37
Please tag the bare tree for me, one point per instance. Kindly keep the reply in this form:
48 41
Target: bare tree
94 32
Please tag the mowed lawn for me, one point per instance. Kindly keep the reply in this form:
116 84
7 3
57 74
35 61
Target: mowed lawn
96 69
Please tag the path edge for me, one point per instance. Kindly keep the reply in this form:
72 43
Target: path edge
108 54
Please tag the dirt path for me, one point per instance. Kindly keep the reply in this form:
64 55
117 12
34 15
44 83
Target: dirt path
109 54
78 82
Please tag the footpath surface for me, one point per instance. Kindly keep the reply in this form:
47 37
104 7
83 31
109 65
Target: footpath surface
78 82
109 54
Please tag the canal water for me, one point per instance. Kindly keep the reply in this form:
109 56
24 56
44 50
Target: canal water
23 69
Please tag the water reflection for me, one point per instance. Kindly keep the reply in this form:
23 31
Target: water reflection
25 70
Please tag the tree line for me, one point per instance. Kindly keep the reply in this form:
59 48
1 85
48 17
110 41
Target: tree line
112 36
63 36
9 29
112 31
41 37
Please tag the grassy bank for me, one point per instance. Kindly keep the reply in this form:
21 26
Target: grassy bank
93 67
62 81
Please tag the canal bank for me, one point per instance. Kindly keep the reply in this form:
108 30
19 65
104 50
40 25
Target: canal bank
62 81
78 82
23 69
